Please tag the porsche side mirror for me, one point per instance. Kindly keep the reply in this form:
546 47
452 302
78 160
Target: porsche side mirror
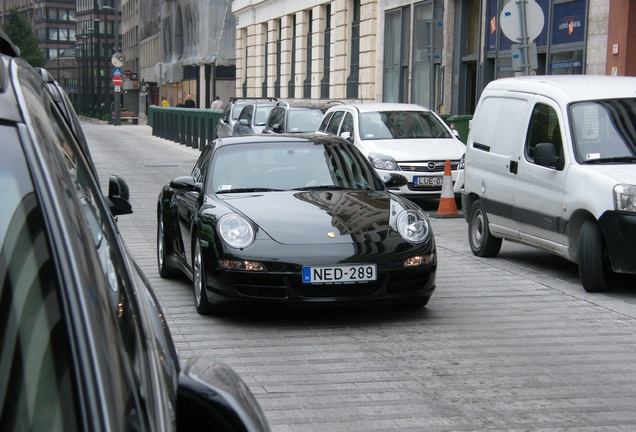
185 183
118 196
211 396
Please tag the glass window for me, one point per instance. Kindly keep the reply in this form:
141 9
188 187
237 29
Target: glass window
401 125
334 123
347 124
36 369
604 129
543 128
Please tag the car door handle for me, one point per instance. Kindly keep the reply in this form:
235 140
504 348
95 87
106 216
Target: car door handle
513 167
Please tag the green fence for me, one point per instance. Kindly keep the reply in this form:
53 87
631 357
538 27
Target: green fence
192 127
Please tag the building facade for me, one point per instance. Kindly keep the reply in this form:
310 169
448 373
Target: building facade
186 47
438 53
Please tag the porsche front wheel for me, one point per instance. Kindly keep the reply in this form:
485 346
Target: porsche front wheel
201 302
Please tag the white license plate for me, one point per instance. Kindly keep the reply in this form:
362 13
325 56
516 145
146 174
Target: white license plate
340 274
428 181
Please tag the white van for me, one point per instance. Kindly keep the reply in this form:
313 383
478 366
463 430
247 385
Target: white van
551 162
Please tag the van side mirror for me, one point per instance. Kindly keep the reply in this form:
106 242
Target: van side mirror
211 396
545 155
118 196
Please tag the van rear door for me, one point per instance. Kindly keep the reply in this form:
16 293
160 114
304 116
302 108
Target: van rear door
498 129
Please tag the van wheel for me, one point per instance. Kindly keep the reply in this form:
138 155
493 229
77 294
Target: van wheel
201 302
594 264
482 242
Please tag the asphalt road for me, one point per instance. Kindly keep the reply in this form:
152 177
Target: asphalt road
510 343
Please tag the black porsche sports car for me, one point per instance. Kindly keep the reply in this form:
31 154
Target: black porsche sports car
293 220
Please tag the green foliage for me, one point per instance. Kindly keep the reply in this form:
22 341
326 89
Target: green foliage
20 32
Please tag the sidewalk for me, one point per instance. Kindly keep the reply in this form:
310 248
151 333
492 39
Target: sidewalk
142 130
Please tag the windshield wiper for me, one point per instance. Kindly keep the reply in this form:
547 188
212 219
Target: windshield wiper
611 159
252 189
318 187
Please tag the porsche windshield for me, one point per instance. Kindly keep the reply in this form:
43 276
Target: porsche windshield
401 125
274 166
604 131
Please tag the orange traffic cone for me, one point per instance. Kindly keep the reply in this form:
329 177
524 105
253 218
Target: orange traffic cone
447 206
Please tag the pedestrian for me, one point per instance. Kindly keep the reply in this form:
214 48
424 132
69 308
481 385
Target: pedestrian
164 102
180 104
217 103
189 103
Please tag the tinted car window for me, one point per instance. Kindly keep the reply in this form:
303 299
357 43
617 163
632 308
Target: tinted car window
33 334
325 122
334 123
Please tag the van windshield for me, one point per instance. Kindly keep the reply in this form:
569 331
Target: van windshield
604 130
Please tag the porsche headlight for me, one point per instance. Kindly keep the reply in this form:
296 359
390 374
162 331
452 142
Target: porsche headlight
383 162
236 231
413 226
625 197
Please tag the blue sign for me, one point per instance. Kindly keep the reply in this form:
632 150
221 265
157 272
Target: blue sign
117 71
568 24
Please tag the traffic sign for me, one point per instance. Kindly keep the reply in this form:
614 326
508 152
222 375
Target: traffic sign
117 71
118 80
510 19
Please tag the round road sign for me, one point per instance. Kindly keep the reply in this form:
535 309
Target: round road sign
510 20
117 80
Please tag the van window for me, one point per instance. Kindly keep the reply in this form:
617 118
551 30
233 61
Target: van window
543 128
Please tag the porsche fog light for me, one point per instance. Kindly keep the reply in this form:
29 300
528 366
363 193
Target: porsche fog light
413 226
625 197
419 260
232 264
236 231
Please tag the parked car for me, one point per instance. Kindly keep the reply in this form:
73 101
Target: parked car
295 117
296 220
231 113
252 118
551 163
404 139
84 343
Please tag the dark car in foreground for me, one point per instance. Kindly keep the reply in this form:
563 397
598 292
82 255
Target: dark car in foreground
84 345
293 220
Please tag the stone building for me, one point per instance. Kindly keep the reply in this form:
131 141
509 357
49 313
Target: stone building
438 53
186 47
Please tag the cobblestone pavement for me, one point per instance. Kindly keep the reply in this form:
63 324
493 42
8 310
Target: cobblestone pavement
511 343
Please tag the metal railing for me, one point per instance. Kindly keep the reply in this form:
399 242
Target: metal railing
192 127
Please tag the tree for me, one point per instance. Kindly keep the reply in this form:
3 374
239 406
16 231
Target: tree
20 32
